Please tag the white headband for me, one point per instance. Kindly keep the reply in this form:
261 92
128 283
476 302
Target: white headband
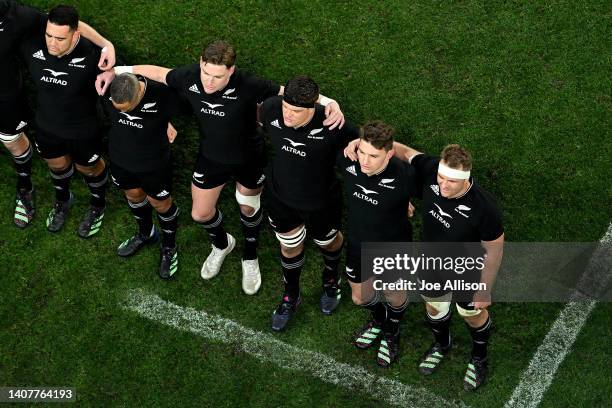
453 173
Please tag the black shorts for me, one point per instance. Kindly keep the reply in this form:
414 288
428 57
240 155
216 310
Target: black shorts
14 117
84 151
210 174
356 274
156 183
463 294
322 224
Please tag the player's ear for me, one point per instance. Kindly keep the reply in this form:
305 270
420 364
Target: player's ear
390 154
232 69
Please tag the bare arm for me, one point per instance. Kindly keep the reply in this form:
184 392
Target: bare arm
107 57
404 152
494 253
152 72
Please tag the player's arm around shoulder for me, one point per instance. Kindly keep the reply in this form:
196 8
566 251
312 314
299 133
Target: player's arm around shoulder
158 74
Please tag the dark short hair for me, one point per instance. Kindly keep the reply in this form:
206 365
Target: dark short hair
4 7
219 53
301 91
124 88
64 15
378 134
457 157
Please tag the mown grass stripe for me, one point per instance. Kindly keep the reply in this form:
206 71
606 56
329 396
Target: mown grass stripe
265 347
560 338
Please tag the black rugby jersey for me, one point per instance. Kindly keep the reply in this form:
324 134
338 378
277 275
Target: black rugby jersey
14 25
66 94
227 118
301 173
137 140
472 217
378 204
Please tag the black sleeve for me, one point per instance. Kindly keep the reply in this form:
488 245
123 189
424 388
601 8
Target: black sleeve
29 19
425 165
490 226
341 161
176 78
263 88
266 111
412 186
346 134
172 101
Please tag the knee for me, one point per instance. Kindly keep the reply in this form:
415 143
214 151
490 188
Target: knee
202 214
292 252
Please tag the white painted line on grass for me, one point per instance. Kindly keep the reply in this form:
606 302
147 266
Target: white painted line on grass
266 347
558 342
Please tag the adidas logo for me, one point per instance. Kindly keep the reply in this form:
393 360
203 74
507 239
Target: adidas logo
194 88
21 125
164 193
435 188
276 124
39 55
261 179
351 169
93 158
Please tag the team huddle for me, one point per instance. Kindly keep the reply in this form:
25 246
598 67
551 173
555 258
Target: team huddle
238 114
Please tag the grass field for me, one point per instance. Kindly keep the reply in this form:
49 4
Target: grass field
525 85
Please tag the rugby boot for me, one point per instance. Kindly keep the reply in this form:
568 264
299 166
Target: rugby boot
251 277
388 351
215 259
284 311
133 244
432 358
368 335
475 374
330 298
91 222
57 217
24 208
169 262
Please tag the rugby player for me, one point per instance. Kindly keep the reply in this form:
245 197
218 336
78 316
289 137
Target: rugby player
457 209
15 22
378 191
302 190
224 100
139 149
63 66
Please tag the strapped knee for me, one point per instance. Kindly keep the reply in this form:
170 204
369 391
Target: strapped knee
467 312
294 240
253 201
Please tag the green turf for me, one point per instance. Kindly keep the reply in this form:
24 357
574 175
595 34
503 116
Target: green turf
525 86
